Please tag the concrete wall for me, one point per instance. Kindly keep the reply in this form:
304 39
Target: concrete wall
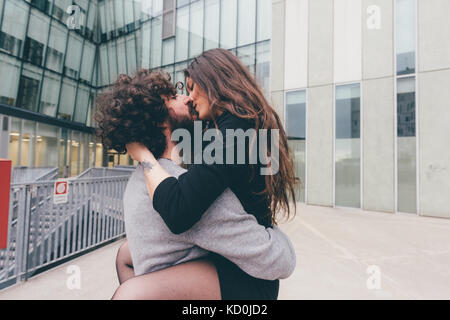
319 144
434 143
378 145
434 34
320 52
377 44
316 44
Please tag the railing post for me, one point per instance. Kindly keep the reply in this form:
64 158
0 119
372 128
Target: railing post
23 234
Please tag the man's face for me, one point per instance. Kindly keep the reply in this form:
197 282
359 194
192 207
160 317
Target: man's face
181 113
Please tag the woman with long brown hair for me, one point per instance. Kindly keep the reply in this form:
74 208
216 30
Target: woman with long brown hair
223 92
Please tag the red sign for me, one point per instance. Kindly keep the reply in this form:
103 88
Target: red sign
61 193
5 186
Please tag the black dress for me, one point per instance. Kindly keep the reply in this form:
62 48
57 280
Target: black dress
181 203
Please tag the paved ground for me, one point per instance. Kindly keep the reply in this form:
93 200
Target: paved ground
340 252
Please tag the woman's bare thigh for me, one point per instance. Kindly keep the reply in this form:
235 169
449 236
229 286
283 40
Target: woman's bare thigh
193 280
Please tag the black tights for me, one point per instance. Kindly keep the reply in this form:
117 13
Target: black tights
193 280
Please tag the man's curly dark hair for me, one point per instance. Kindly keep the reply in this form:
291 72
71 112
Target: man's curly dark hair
133 110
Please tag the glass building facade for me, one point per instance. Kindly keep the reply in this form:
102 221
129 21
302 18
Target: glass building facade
56 56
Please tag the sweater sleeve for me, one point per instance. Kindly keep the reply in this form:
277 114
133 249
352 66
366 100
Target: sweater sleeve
181 202
226 229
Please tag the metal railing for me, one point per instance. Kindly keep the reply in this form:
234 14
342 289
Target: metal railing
107 172
28 174
41 233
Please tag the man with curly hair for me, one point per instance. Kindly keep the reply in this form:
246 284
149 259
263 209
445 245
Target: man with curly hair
154 263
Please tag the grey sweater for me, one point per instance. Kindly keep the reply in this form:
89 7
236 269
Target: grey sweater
225 228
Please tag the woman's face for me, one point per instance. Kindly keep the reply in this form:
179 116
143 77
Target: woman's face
199 100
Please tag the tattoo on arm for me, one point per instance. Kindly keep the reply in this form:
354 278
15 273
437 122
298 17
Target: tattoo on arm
147 165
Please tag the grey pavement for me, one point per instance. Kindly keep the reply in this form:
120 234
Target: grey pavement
342 253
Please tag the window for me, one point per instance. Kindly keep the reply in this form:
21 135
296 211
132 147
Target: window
169 13
296 132
28 93
10 44
348 146
406 145
33 51
196 29
406 36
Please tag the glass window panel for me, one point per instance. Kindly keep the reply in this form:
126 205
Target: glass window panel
179 74
59 9
74 154
264 20
296 114
103 27
104 70
28 148
112 56
14 141
47 146
72 63
87 66
119 18
63 154
38 30
182 34
91 21
90 121
296 131
263 66
406 36
146 38
146 9
67 100
406 145
132 52
156 43
50 94
247 57
181 3
246 22
15 19
348 147
212 18
81 109
109 19
196 29
122 56
129 14
168 51
9 78
30 79
56 47
228 24
157 8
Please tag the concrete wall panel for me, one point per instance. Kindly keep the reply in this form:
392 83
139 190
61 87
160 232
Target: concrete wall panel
320 146
320 42
378 145
434 34
377 38
434 143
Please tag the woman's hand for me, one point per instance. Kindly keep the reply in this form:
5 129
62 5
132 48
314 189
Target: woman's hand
138 152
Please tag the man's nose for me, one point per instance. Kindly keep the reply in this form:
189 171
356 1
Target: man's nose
187 100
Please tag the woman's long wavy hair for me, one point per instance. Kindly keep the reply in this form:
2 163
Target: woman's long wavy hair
230 87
